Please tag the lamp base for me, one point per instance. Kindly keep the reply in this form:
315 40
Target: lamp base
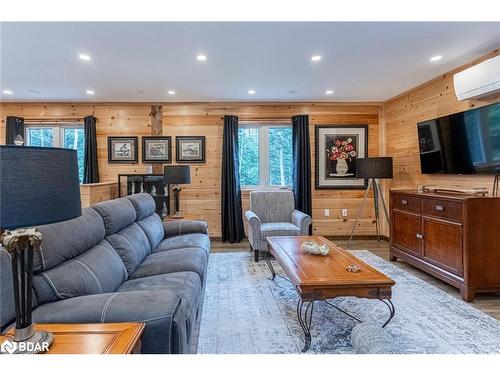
39 342
177 215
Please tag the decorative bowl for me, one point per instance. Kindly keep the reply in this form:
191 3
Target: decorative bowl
313 248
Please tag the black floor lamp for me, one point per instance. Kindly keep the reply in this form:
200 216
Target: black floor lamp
39 186
373 169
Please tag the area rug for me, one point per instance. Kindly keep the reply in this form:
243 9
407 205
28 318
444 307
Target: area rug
245 312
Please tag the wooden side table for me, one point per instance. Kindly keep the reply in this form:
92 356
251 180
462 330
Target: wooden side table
187 217
105 338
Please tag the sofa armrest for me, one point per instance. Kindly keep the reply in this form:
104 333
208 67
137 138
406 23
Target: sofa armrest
156 308
253 230
180 227
301 220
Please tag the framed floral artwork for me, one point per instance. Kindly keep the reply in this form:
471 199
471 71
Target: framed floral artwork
337 147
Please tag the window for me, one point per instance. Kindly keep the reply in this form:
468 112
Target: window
265 153
64 135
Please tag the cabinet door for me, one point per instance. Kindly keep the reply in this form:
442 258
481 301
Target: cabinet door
406 232
443 245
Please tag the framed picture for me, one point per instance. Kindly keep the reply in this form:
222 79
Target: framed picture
336 149
157 149
122 150
190 149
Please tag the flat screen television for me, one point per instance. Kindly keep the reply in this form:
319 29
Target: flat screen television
463 143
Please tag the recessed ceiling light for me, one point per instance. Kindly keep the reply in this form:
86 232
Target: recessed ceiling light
201 57
329 92
436 58
316 58
171 92
84 57
90 92
251 92
293 91
33 91
7 92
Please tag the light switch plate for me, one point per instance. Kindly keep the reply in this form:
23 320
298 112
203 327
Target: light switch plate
327 212
344 212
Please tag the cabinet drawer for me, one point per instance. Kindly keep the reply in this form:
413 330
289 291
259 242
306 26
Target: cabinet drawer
443 209
407 203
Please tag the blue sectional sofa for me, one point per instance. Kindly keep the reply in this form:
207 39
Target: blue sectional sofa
119 262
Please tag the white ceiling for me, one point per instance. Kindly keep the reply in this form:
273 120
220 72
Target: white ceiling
142 61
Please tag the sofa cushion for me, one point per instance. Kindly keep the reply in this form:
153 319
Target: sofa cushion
199 240
278 229
177 260
186 285
68 239
143 203
98 270
153 227
132 245
117 214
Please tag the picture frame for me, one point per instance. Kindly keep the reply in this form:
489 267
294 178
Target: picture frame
190 149
337 147
123 150
157 149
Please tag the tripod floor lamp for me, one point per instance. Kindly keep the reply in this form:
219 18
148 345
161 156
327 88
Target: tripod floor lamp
373 169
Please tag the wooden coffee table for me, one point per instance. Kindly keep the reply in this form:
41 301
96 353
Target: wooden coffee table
320 278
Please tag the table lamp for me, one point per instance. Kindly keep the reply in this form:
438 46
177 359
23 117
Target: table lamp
38 185
176 175
373 169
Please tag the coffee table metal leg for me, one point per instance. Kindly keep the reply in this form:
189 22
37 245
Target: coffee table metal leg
305 320
392 311
270 265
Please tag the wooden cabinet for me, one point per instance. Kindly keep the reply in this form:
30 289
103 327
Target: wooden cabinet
453 237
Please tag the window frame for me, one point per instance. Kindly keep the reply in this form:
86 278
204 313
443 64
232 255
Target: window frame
58 129
264 177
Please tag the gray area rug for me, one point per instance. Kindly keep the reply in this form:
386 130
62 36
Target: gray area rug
245 312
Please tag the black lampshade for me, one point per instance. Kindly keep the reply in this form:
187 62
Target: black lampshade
177 174
379 167
38 185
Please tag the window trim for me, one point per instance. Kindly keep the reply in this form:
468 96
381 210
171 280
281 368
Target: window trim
264 177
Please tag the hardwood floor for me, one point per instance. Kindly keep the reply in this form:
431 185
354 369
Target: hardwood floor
489 303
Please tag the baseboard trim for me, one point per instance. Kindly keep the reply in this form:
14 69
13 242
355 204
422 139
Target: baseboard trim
340 238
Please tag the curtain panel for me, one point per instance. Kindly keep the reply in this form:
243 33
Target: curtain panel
14 127
90 162
301 171
231 215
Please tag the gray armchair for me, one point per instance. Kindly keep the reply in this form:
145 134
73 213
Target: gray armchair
273 213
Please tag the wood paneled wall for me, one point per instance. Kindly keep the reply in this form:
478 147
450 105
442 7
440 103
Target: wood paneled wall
202 197
401 114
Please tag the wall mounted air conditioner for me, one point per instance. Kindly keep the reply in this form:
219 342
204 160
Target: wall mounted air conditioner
478 81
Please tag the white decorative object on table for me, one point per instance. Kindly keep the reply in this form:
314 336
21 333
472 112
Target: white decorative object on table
314 248
153 191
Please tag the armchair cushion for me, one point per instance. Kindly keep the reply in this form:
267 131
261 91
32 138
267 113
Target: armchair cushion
180 227
301 220
278 229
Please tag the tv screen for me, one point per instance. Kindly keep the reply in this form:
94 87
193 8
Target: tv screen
462 143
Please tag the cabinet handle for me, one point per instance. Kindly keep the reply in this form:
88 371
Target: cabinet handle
439 208
420 236
404 201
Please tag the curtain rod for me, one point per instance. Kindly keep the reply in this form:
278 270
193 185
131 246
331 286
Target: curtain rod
58 119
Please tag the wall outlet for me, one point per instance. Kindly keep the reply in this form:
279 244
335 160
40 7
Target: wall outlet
327 212
344 212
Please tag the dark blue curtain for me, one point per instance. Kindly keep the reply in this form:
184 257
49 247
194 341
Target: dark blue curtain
301 172
231 215
14 127
90 164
